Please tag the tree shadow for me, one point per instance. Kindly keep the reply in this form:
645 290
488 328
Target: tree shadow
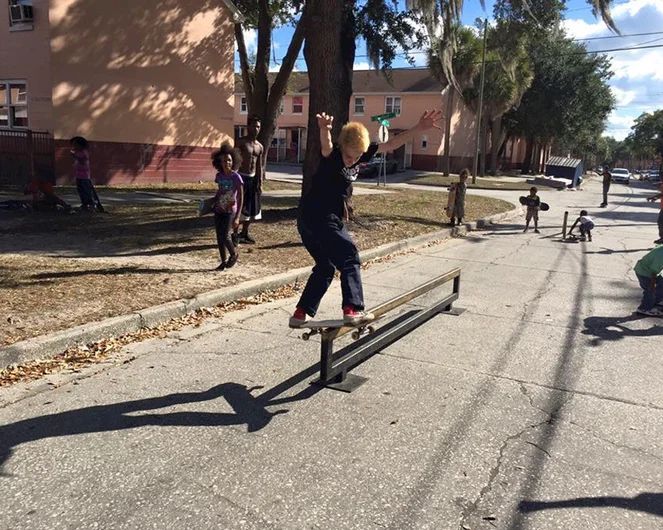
153 75
608 251
614 328
111 272
644 502
249 410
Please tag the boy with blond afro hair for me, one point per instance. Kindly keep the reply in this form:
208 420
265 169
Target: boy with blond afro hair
322 215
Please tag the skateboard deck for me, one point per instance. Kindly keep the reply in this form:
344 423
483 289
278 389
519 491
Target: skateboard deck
451 199
206 206
526 201
316 327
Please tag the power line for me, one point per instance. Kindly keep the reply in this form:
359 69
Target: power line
621 36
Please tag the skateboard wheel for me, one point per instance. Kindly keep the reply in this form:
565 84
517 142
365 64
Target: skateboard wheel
306 336
356 335
371 329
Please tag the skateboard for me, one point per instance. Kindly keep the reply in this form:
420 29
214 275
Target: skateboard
317 327
206 206
526 201
451 199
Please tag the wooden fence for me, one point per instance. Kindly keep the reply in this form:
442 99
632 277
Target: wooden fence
24 155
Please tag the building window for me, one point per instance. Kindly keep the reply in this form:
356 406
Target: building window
281 108
21 15
13 104
359 106
424 141
297 104
243 107
392 104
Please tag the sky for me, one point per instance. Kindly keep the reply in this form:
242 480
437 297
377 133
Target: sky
637 83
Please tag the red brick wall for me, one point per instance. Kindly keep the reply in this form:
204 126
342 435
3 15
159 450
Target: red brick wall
119 163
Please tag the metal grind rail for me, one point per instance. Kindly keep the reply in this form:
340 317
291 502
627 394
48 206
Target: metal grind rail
334 367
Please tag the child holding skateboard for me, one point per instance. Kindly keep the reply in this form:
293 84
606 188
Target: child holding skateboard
227 201
456 203
533 205
322 212
648 270
586 226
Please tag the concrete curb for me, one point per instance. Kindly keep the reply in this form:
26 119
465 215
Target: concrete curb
51 345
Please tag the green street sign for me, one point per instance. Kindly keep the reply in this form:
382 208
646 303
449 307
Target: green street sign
384 122
386 116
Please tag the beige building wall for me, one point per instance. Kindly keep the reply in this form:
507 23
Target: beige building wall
25 56
148 71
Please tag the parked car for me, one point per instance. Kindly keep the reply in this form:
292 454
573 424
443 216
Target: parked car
372 169
654 175
620 174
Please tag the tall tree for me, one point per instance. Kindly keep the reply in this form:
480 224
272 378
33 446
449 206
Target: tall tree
465 65
263 98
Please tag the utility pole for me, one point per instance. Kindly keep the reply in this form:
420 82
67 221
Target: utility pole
483 76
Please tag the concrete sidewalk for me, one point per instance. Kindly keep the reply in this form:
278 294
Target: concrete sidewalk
540 407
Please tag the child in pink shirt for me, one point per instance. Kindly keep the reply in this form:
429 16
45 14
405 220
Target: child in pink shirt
79 150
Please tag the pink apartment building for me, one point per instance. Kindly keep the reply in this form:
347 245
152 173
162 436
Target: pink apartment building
412 91
149 83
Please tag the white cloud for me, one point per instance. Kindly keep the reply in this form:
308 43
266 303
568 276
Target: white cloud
361 66
637 83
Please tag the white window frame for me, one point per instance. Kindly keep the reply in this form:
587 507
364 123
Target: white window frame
363 106
390 104
281 107
9 105
424 142
293 105
243 105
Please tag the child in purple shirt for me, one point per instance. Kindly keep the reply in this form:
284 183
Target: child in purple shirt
79 150
228 201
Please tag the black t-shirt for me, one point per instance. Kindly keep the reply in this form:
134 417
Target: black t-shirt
331 184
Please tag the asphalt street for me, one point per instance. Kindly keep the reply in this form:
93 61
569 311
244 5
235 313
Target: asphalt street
540 407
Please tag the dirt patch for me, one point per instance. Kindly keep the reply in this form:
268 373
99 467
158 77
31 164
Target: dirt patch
58 271
437 179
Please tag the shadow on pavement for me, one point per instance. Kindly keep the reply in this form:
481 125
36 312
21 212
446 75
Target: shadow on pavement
613 328
644 502
248 410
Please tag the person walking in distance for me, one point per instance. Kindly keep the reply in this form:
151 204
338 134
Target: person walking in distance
607 179
323 212
653 198
252 172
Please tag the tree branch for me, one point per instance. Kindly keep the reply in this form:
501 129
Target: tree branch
244 63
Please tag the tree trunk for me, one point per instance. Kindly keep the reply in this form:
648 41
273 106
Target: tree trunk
485 124
329 51
447 131
527 162
261 99
495 136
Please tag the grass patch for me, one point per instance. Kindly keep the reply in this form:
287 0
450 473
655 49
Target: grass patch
58 270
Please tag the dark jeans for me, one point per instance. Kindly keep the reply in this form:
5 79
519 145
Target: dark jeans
650 298
330 245
660 224
222 223
606 189
586 229
85 192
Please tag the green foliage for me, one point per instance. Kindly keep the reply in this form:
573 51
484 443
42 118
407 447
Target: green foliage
646 137
466 59
569 99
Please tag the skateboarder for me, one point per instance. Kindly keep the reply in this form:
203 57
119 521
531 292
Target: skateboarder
607 179
586 225
253 175
228 201
533 204
648 270
653 198
322 212
456 204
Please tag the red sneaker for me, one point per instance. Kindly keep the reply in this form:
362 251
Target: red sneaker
354 316
298 318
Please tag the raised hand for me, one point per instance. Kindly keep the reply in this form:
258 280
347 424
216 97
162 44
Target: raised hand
324 121
430 119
